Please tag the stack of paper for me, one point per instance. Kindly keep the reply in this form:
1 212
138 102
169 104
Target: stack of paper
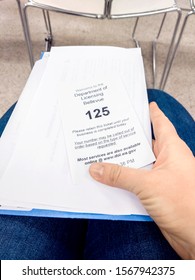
80 105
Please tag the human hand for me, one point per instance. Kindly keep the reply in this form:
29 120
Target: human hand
167 191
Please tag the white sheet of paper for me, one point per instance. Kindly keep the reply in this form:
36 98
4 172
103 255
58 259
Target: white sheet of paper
38 173
12 130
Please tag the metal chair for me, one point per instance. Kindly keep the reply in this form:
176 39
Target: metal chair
84 8
112 9
190 11
119 9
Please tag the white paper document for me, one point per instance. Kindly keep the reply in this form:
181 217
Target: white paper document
104 127
90 105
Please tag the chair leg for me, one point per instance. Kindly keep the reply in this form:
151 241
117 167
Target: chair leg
26 33
28 38
133 33
107 8
49 38
154 43
166 74
171 50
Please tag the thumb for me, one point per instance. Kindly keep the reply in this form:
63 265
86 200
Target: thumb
119 176
163 128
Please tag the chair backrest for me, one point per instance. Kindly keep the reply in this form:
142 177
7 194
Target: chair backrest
94 8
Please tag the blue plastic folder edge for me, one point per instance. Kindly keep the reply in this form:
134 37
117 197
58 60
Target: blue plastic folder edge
74 215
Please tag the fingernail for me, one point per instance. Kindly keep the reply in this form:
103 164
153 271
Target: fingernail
96 170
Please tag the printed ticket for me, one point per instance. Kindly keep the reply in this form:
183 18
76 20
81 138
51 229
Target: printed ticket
100 125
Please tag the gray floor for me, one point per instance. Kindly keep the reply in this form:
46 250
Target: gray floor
70 30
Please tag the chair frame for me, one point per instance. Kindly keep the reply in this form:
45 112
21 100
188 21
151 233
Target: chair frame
46 9
191 11
21 13
155 41
106 14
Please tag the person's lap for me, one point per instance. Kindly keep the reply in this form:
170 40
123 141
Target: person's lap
126 240
41 238
53 238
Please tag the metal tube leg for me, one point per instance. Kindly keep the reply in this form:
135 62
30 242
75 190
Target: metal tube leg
154 43
153 46
170 53
28 39
49 37
133 33
175 50
107 8
29 48
47 22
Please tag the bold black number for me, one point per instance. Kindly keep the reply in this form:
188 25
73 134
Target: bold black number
97 113
105 111
89 114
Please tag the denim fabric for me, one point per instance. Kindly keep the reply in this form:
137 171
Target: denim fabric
53 238
37 238
124 240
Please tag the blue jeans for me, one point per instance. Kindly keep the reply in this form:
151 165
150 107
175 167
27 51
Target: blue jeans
56 238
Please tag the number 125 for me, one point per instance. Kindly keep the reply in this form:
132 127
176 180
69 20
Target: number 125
98 113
